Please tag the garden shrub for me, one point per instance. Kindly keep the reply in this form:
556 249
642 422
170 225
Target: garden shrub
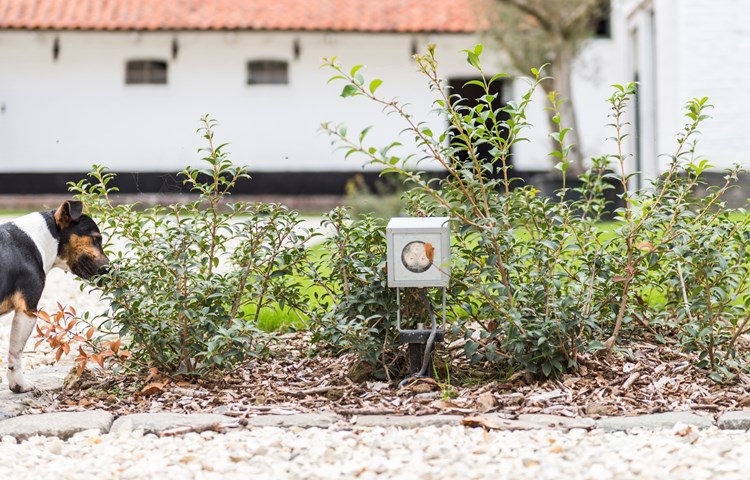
188 281
355 309
540 281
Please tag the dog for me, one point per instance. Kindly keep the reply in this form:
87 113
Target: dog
31 246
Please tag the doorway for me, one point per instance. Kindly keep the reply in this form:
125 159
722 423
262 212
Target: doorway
469 95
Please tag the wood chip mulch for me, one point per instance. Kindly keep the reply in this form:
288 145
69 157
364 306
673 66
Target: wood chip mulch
648 378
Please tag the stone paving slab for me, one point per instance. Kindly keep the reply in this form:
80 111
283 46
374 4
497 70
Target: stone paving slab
62 425
407 421
299 420
161 422
737 420
66 424
45 379
654 421
557 421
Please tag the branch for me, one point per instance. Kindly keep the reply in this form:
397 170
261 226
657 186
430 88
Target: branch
583 12
539 14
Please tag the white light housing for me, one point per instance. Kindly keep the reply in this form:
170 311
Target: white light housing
418 251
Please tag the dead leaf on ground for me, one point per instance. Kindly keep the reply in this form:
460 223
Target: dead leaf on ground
152 389
481 422
486 402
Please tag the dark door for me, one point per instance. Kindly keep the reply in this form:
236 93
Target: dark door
469 96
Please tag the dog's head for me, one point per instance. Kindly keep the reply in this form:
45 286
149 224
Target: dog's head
80 249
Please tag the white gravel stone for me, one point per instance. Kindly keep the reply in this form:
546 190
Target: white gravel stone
429 452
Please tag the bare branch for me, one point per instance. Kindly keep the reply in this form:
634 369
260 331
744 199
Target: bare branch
572 25
540 15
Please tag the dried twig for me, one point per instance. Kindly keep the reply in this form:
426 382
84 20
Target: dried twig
310 391
631 380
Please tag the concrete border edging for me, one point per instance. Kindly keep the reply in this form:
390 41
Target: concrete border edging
66 424
654 421
62 424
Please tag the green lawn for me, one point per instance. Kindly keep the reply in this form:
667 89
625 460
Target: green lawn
275 319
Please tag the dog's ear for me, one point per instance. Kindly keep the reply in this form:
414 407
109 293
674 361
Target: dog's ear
68 213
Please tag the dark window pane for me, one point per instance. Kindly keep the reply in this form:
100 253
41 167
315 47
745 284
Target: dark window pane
146 71
267 71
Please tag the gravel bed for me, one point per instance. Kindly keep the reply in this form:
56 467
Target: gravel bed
433 452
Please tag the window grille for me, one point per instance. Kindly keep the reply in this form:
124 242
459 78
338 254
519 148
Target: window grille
146 72
267 72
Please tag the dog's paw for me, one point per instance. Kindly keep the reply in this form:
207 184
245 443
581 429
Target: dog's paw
18 384
22 388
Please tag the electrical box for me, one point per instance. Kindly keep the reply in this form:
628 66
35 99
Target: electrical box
418 251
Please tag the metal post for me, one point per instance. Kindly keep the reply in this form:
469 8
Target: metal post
398 308
445 322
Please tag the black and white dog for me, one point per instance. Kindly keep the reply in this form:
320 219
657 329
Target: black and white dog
31 246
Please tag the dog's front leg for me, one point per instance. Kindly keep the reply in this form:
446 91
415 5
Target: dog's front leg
23 325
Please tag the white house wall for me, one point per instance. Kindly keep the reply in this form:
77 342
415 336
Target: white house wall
594 72
714 42
67 114
700 50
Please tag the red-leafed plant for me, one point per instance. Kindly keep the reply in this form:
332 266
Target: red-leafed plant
64 330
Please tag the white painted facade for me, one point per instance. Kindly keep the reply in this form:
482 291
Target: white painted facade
69 113
683 49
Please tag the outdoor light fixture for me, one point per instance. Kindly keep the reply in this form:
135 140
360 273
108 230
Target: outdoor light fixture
56 48
418 256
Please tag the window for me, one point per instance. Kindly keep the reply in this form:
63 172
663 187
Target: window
267 72
146 72
601 22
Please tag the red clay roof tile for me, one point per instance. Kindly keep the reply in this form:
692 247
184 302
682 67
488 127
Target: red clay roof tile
320 15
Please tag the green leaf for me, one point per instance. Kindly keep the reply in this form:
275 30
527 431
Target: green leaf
364 133
350 91
497 77
473 60
337 77
374 85
478 83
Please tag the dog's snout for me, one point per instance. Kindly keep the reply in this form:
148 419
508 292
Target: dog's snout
101 273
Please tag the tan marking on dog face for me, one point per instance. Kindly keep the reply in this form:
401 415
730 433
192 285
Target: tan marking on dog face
15 302
79 245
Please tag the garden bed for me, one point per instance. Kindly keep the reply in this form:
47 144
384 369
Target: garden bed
650 378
